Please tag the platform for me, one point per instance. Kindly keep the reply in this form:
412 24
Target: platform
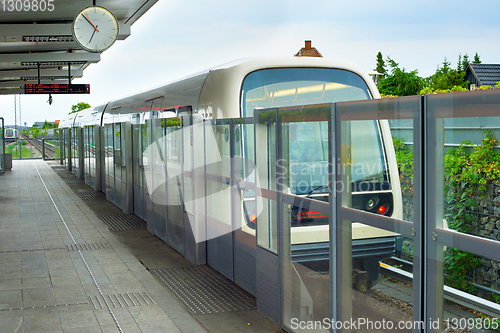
65 270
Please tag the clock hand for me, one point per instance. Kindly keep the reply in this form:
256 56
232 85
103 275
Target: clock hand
88 19
93 33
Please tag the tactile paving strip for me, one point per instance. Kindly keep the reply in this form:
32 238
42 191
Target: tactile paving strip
123 222
121 300
31 250
204 291
91 195
42 306
88 246
73 180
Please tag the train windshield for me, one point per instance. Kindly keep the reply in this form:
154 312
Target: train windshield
308 157
308 141
278 87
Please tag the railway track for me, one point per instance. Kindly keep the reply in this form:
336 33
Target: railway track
49 148
457 296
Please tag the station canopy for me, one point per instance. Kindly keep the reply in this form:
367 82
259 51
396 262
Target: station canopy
42 39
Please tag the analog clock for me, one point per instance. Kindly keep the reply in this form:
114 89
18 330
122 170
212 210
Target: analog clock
95 29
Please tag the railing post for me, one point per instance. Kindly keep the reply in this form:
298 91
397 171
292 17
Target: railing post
43 149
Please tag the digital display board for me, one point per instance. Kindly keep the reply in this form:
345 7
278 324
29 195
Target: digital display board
57 88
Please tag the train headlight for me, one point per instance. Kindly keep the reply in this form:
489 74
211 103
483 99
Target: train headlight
372 203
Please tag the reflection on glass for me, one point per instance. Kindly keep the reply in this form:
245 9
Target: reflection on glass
305 278
471 165
381 292
367 153
467 272
280 87
308 156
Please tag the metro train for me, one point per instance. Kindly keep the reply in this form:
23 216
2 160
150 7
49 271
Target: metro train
114 141
10 135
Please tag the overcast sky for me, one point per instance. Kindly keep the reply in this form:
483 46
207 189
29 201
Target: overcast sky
176 38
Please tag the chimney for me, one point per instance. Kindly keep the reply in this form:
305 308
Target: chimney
308 45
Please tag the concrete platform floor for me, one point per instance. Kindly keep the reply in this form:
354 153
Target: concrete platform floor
47 287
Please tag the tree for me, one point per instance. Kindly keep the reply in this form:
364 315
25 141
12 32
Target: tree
460 65
400 82
446 78
476 59
380 65
79 107
47 125
465 62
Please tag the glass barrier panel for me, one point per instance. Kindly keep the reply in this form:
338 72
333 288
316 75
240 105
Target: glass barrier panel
304 268
376 285
467 287
464 156
137 170
159 175
50 147
377 242
86 156
377 155
92 154
149 154
74 150
146 167
175 204
109 162
244 205
19 149
467 162
188 164
218 198
117 151
303 179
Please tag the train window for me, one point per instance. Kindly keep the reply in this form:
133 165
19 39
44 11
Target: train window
280 87
308 155
368 159
136 118
168 113
185 110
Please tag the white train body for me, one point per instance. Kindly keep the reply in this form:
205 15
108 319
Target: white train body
219 93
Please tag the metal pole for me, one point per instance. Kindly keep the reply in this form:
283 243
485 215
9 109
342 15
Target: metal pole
43 149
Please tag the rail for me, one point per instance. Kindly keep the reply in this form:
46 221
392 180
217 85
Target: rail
462 298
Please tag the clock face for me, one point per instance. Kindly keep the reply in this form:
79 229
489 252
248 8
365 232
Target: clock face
95 29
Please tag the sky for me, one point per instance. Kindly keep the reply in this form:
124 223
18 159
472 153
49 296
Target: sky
177 38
